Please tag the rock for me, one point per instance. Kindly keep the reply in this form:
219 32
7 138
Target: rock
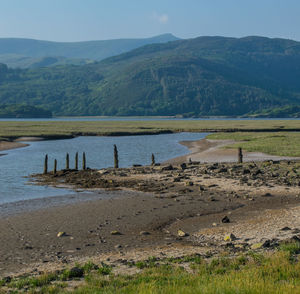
229 238
212 198
214 224
295 238
256 246
6 279
118 246
183 166
239 246
168 167
267 195
189 183
181 233
144 233
225 219
285 229
61 234
201 188
115 233
76 272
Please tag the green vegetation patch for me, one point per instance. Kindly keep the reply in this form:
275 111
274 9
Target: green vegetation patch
252 272
101 128
279 143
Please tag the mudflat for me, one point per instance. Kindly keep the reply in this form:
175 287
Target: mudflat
167 209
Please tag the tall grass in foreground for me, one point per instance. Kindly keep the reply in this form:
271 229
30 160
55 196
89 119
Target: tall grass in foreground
250 273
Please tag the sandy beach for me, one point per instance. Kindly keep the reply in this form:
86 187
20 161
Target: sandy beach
148 207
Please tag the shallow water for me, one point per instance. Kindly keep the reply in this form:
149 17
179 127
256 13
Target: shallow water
19 163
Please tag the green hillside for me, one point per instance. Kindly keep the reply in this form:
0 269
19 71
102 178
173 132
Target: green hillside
29 53
202 76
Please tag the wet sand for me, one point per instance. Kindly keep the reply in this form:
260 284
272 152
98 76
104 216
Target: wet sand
4 145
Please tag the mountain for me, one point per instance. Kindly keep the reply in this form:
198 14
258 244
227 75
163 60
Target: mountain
29 53
201 76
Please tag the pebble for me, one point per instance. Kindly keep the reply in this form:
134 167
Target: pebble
61 234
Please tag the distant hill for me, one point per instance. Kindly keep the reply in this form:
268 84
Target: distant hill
29 53
23 111
196 77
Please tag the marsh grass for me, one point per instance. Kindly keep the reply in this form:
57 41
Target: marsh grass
249 273
281 143
100 128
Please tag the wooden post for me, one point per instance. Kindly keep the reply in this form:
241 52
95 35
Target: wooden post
55 166
116 157
46 164
76 161
152 159
83 161
67 161
240 155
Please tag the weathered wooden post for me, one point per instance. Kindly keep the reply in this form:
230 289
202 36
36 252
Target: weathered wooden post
46 164
240 155
116 157
153 159
76 161
67 161
83 161
55 166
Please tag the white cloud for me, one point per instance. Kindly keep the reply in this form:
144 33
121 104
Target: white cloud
161 18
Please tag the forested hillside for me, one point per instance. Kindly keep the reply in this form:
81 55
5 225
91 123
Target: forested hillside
202 76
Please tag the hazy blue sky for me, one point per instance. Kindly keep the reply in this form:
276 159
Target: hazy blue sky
77 20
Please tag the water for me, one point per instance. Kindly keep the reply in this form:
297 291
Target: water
137 118
19 163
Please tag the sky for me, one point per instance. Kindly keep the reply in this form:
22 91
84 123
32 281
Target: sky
82 20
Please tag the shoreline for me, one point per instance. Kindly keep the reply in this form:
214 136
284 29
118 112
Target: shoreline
151 206
210 151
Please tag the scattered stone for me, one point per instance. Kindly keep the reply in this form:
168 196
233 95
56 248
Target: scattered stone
225 219
256 246
181 233
7 279
230 238
295 238
239 246
267 195
286 229
61 234
183 166
189 183
168 167
115 233
76 272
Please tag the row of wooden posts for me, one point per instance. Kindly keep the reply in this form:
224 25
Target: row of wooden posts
116 161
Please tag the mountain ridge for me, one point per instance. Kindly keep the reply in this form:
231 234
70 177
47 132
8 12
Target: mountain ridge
96 50
195 77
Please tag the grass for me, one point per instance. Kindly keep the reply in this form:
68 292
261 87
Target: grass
252 272
100 128
279 143
251 134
